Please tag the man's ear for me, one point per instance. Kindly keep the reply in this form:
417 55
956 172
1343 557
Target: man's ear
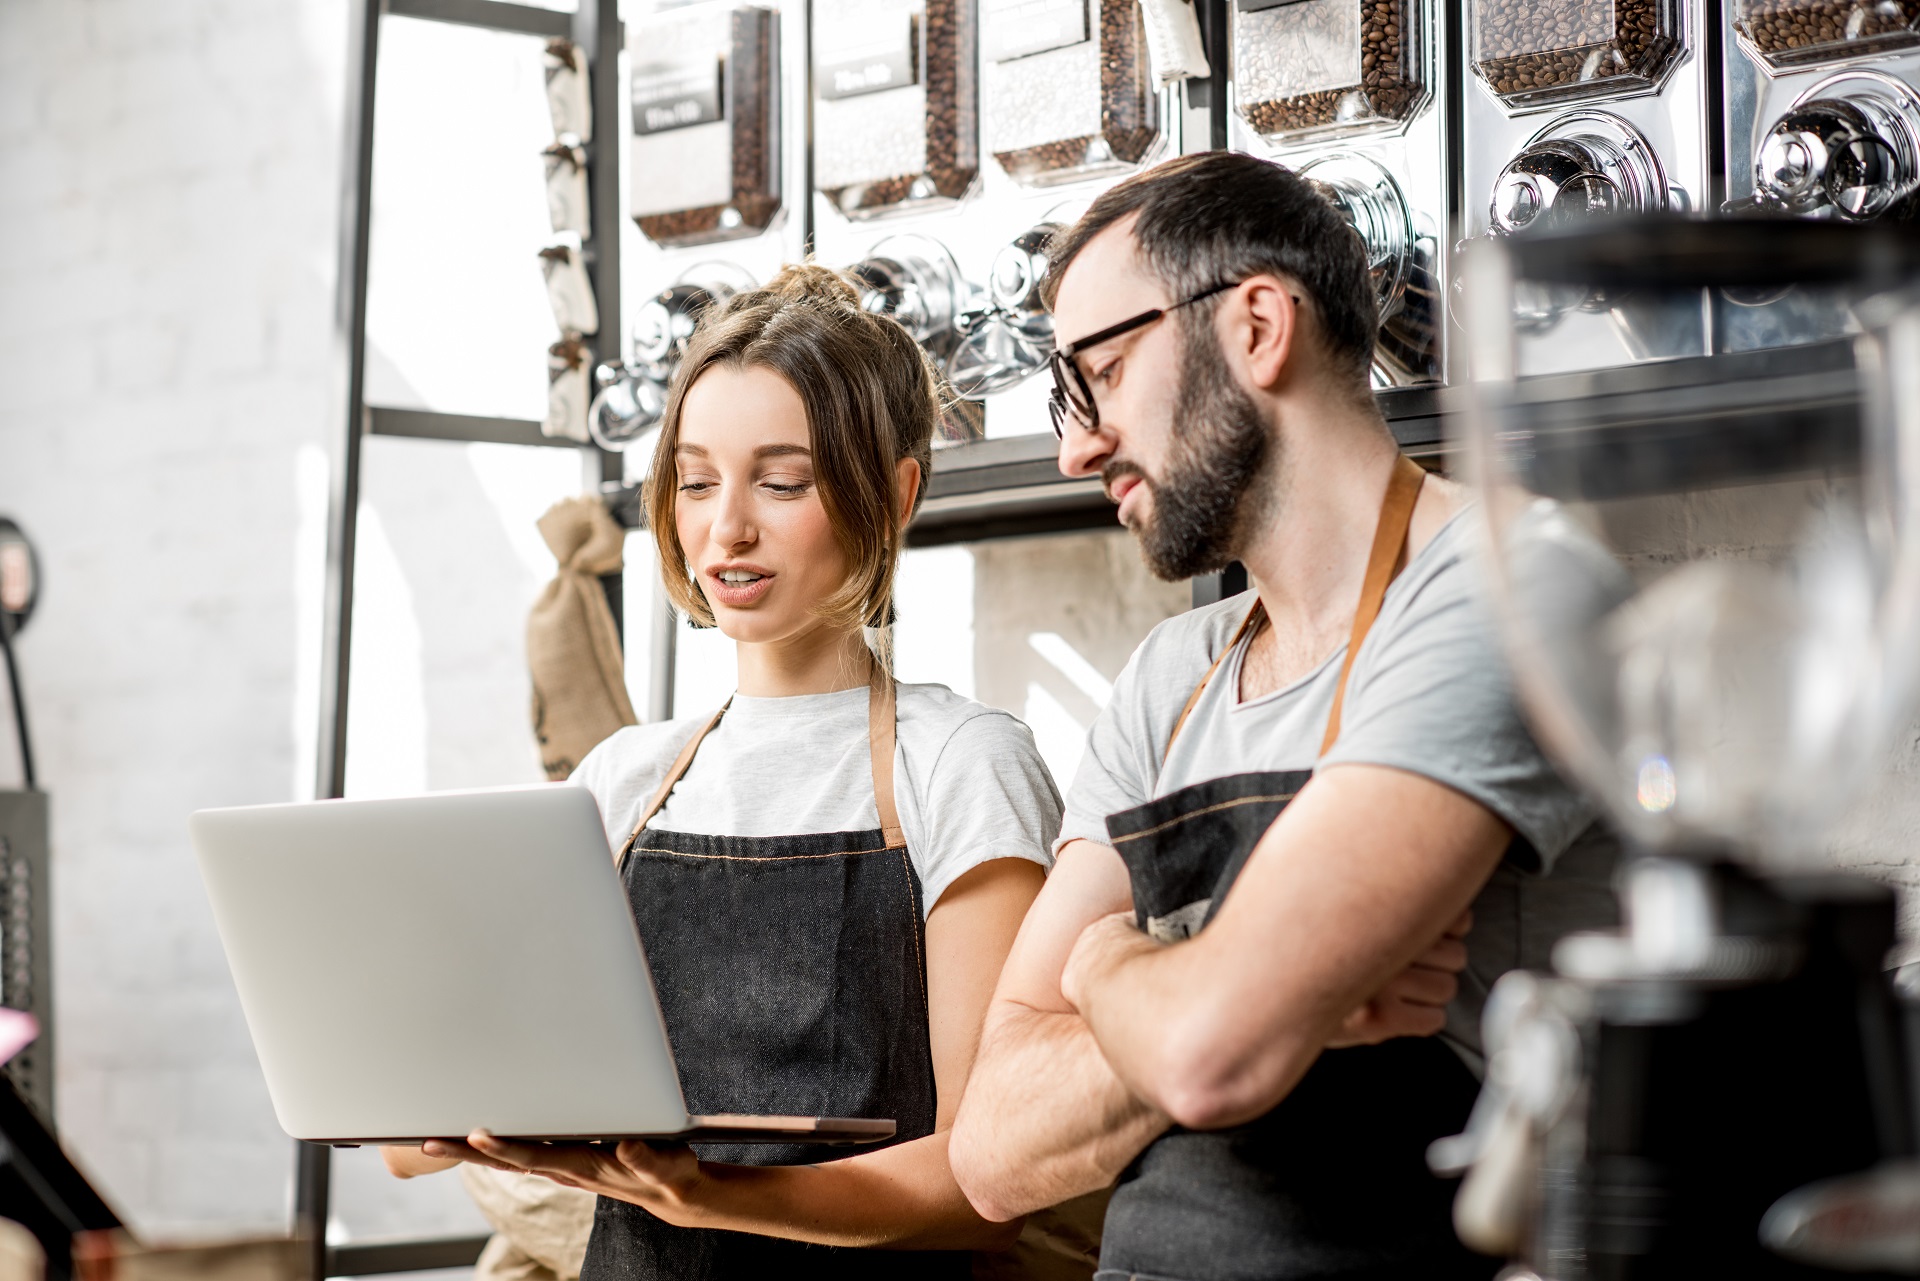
906 483
1272 321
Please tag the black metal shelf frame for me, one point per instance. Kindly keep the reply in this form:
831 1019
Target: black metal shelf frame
595 29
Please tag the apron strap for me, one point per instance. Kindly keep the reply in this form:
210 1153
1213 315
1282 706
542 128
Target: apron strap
1383 565
881 715
1384 562
1249 626
674 774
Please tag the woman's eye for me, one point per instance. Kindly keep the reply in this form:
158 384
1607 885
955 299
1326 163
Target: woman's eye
695 487
788 489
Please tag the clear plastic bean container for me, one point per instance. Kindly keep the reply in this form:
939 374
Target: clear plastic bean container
1307 69
705 158
895 117
1784 34
1715 695
1533 53
1066 89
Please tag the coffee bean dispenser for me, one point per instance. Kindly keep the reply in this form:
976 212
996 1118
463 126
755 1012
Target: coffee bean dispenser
894 113
1583 109
1066 92
1320 68
1347 92
632 394
705 156
1823 119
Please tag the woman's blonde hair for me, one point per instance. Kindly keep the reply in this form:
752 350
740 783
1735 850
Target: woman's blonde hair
872 398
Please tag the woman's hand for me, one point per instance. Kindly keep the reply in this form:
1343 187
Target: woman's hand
664 1179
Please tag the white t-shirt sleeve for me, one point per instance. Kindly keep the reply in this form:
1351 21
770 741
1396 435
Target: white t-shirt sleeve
988 795
1128 739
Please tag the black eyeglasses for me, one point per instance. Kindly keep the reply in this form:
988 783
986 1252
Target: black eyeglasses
1070 391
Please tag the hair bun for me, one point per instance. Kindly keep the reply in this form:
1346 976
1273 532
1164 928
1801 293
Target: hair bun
811 280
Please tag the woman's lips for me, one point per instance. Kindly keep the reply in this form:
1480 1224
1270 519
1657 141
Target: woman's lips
736 595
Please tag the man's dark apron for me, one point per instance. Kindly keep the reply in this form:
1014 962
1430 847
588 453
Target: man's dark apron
1333 1182
792 974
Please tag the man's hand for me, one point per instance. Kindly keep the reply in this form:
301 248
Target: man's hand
1414 1001
1103 945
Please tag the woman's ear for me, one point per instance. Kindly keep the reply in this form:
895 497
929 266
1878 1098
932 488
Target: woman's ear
906 482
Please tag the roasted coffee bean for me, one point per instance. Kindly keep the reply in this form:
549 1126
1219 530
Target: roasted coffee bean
1778 27
752 91
951 117
1129 104
1528 48
1384 81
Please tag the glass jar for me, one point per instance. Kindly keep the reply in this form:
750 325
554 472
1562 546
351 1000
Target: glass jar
1798 33
1323 68
894 113
1065 97
1533 53
705 159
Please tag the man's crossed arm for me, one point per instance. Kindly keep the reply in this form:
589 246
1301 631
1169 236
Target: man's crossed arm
1343 929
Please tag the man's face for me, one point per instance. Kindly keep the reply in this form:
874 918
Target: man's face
1180 445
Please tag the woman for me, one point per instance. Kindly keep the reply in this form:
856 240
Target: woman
827 874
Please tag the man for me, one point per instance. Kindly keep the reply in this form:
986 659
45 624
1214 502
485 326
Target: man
1292 794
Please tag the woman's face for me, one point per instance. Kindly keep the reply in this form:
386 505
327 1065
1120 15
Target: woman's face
749 516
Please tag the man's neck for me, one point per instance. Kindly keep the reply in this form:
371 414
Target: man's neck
1308 557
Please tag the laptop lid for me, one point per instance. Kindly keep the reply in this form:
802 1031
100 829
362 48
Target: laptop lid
422 966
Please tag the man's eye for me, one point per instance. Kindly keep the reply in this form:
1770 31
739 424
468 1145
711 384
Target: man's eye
1106 373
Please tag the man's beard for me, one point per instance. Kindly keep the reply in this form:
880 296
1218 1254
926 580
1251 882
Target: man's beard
1220 448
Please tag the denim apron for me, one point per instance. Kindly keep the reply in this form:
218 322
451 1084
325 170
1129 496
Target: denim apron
1333 1182
791 971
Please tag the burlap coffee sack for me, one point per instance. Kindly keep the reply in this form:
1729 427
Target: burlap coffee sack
542 1226
573 648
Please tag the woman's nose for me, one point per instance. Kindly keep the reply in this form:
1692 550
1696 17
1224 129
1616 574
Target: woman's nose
733 521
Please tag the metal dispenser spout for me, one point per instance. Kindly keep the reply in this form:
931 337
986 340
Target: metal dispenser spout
1848 148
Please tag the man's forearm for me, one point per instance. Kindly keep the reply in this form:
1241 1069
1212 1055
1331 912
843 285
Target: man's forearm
1044 1118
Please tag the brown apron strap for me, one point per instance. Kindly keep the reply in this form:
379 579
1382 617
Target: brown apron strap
1249 626
674 773
881 713
1383 564
880 736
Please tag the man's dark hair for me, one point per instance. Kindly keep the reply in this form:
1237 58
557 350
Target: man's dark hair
1222 216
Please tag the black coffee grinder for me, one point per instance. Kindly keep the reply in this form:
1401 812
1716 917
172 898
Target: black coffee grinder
1707 571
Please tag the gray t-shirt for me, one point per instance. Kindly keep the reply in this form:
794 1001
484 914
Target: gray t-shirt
1429 693
968 780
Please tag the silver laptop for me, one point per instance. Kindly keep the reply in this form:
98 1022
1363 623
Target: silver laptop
421 967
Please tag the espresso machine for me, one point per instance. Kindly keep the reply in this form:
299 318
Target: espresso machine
1351 95
1722 1087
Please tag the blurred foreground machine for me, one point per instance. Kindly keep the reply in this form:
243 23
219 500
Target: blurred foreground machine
1722 1089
